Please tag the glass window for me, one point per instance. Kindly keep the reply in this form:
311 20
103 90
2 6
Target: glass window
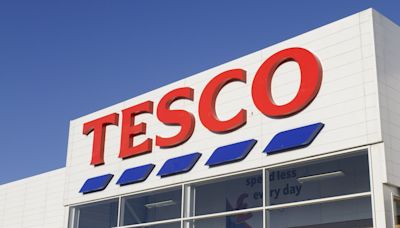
168 225
397 212
319 179
99 215
247 220
153 206
228 194
343 214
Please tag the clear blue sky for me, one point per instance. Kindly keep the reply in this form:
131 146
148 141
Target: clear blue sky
63 59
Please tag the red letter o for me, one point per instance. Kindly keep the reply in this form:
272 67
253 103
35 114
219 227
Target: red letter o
311 77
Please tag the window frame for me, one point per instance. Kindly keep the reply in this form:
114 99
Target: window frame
394 197
187 198
74 211
122 201
192 199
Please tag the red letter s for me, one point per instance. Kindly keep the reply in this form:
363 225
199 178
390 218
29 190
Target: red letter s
175 117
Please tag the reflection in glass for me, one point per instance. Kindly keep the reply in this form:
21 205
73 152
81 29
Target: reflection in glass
319 179
153 206
247 220
168 225
99 215
355 213
228 194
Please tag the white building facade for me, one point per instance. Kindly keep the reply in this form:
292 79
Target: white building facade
325 155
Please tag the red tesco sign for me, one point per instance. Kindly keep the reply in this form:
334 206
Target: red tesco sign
311 77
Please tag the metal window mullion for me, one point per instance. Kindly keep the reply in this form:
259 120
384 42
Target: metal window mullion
183 203
119 211
71 217
371 185
394 209
223 214
189 203
76 217
319 201
265 196
151 223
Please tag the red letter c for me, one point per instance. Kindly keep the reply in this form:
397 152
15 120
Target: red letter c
207 113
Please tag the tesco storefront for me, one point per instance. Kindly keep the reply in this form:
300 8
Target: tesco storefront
301 134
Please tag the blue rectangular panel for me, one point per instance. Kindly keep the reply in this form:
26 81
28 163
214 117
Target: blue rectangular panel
178 165
293 139
96 184
231 153
135 175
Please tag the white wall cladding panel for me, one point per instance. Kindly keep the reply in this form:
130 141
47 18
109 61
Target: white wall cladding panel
387 46
347 104
35 202
2 203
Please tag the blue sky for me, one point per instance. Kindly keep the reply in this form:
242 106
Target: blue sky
60 60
